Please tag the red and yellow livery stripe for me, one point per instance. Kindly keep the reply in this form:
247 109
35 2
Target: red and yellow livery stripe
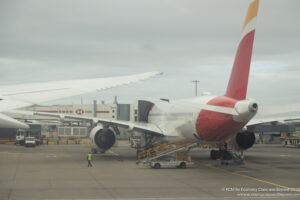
252 13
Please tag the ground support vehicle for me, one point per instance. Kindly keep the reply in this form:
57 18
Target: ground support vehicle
30 142
291 142
20 137
166 155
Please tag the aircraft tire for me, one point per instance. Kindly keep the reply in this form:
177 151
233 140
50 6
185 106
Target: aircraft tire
182 165
157 166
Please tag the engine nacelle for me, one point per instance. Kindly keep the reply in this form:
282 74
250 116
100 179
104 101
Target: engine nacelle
102 138
243 140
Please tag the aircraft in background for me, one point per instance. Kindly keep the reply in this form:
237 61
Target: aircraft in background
22 95
221 120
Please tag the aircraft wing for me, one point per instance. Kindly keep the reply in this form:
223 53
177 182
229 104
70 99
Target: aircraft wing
279 114
152 129
18 96
159 131
280 120
135 126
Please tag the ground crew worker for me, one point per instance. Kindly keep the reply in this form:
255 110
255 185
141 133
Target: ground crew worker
89 159
242 156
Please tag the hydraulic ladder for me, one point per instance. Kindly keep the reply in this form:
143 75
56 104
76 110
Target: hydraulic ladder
160 150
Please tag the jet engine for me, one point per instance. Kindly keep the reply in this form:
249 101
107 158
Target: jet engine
102 138
243 140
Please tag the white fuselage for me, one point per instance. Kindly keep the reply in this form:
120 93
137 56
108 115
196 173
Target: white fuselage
179 118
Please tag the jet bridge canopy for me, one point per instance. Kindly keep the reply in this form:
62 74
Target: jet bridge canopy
144 108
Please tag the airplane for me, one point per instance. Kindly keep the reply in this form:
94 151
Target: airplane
221 120
22 95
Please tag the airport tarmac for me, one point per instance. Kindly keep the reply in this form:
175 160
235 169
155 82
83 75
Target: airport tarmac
61 172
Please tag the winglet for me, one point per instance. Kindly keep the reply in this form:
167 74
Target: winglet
237 85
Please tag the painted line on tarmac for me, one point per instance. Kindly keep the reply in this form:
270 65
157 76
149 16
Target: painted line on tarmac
244 171
247 177
147 198
285 155
110 151
51 156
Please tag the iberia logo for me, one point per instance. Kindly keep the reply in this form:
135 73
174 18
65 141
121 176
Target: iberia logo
79 111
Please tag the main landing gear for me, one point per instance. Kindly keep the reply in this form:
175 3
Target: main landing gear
227 157
220 154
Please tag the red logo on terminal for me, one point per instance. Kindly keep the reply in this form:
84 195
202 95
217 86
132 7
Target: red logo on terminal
79 111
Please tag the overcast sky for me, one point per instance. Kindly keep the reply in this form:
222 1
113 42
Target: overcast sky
187 40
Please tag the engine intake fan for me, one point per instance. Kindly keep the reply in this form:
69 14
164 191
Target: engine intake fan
104 138
245 140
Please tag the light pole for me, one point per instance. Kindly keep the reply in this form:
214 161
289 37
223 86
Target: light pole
196 84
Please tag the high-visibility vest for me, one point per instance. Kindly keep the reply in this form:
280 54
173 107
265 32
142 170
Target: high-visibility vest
242 156
89 156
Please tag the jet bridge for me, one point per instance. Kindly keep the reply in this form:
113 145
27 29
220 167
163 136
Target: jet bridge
144 108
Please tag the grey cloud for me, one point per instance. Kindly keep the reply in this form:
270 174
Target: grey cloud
190 39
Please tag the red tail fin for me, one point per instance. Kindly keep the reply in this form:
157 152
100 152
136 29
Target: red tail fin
237 85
